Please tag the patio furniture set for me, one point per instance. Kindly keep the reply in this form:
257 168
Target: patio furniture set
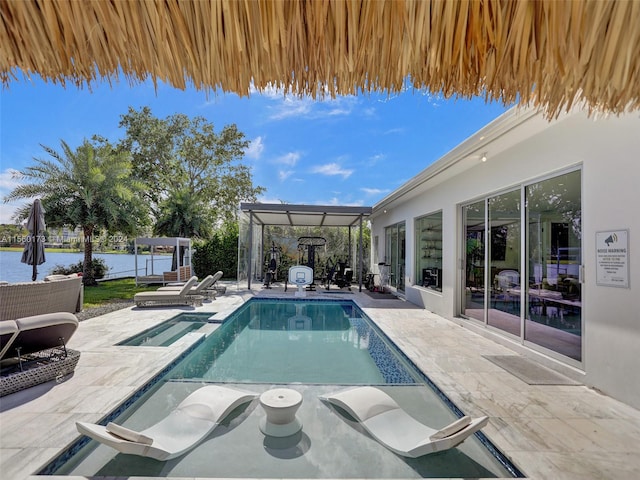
37 322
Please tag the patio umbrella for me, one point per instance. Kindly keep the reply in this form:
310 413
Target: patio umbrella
33 253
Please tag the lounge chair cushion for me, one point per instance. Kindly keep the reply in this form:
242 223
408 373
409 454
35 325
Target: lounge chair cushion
195 290
168 297
41 332
128 434
452 428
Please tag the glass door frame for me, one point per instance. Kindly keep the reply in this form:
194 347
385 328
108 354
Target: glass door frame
395 254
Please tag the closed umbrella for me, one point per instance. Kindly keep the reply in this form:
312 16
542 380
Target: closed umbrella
33 253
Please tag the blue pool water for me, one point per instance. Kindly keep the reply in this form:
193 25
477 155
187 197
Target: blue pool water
306 342
315 347
169 331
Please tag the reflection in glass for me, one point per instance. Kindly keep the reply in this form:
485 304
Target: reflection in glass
504 262
554 296
395 254
474 225
429 252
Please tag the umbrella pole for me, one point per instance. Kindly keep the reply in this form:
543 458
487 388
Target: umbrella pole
35 249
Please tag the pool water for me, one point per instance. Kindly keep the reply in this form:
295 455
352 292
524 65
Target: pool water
169 331
313 347
305 342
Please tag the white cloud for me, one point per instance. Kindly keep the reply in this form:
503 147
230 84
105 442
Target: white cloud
289 105
375 191
284 174
7 184
269 200
7 180
289 159
332 169
256 147
340 201
292 107
376 158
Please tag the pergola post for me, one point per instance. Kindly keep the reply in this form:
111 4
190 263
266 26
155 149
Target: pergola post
249 270
360 257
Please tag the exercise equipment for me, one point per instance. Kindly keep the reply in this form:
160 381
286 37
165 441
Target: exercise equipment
310 244
340 274
272 267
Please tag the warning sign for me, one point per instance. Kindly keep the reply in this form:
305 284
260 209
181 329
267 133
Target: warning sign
612 258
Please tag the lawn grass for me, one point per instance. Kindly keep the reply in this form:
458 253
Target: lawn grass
113 290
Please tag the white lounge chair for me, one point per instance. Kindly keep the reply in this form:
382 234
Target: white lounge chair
201 288
190 423
171 297
385 421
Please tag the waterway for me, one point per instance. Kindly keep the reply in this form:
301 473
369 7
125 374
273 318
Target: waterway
120 264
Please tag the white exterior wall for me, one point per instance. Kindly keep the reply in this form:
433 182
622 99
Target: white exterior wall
608 150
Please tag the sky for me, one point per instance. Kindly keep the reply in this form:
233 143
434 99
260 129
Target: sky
351 150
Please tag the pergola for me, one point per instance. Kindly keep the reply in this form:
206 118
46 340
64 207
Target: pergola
174 242
263 214
545 53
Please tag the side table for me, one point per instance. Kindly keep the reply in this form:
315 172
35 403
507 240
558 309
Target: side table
280 405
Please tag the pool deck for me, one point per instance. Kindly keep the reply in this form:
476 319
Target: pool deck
547 431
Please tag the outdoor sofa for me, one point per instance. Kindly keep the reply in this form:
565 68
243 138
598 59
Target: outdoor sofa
36 321
57 293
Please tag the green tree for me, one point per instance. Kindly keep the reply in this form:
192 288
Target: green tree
184 158
180 215
90 187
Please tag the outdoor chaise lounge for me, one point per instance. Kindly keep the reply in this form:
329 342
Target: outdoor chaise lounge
212 289
172 297
386 422
190 423
33 350
202 288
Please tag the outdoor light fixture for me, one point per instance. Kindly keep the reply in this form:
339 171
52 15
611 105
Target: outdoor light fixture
484 157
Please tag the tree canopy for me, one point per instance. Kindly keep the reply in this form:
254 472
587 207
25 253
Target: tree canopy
187 165
90 187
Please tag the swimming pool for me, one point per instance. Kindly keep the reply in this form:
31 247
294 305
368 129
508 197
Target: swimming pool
314 347
170 330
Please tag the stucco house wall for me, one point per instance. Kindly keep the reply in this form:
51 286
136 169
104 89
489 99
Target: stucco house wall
521 146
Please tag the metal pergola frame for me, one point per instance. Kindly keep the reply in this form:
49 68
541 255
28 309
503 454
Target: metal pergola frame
306 216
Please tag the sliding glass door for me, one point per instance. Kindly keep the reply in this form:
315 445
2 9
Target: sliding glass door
504 262
554 297
527 281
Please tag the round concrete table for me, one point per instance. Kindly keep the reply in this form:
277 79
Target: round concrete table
281 405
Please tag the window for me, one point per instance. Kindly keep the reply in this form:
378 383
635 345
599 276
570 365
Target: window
429 251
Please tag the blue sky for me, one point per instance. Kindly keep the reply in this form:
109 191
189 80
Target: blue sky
351 150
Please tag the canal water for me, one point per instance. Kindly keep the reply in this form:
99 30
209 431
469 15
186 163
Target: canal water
120 264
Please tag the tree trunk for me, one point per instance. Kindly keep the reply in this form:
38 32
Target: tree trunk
87 274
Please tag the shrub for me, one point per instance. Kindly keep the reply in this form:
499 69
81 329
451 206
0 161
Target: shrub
98 266
218 253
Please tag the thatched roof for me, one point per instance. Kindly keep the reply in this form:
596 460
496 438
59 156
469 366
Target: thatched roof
547 52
